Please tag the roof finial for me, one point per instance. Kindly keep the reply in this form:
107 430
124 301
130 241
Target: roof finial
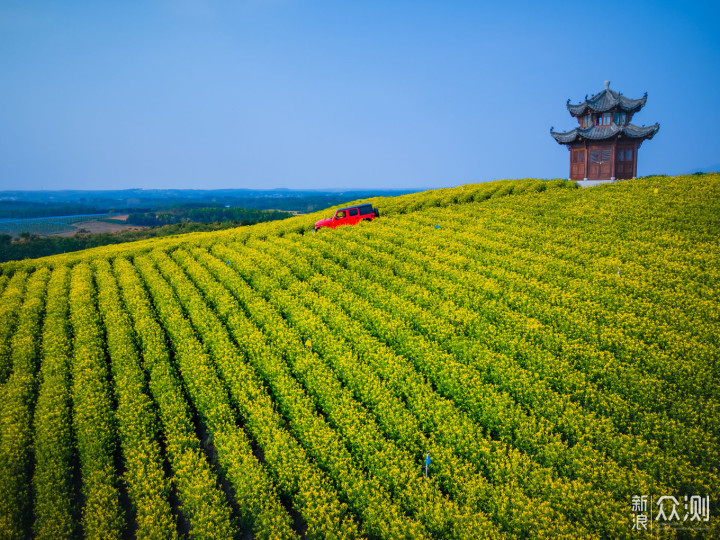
607 85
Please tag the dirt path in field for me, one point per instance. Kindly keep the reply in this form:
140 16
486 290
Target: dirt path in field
95 227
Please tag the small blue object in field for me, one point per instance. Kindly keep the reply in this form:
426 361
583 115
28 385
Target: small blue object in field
228 262
437 226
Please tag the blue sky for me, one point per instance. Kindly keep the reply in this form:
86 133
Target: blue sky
335 94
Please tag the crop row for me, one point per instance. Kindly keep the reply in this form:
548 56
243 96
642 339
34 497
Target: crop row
634 220
11 300
16 406
657 463
201 502
93 417
503 278
614 319
379 516
510 506
474 336
676 300
497 280
306 426
593 240
55 513
432 408
293 472
144 476
388 463
466 385
524 241
258 504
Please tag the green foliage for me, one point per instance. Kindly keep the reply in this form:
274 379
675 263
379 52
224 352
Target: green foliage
16 402
201 502
554 349
56 514
93 418
32 246
144 475
237 216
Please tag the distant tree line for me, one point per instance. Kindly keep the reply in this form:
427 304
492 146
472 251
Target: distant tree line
25 210
31 204
30 246
213 214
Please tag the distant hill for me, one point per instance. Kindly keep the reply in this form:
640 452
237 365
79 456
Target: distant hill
518 358
29 204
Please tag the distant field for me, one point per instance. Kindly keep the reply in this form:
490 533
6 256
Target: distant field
554 351
59 225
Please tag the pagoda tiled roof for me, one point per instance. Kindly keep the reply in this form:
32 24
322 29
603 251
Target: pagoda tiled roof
599 133
605 101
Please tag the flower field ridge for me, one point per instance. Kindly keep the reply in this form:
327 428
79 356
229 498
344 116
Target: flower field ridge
510 359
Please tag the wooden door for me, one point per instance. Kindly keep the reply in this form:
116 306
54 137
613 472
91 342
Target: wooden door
577 164
599 165
624 160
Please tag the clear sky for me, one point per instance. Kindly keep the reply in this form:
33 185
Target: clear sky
340 94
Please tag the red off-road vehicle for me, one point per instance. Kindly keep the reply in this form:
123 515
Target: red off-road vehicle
349 216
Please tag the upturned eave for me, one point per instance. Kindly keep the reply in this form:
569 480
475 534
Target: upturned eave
602 133
607 100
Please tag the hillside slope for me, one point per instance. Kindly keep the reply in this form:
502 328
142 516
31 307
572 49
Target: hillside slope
552 351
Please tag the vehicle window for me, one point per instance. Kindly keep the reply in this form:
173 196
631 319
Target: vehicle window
340 214
353 212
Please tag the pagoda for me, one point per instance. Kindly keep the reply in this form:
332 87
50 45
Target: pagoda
605 145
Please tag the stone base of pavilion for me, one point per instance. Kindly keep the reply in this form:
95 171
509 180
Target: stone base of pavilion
591 183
